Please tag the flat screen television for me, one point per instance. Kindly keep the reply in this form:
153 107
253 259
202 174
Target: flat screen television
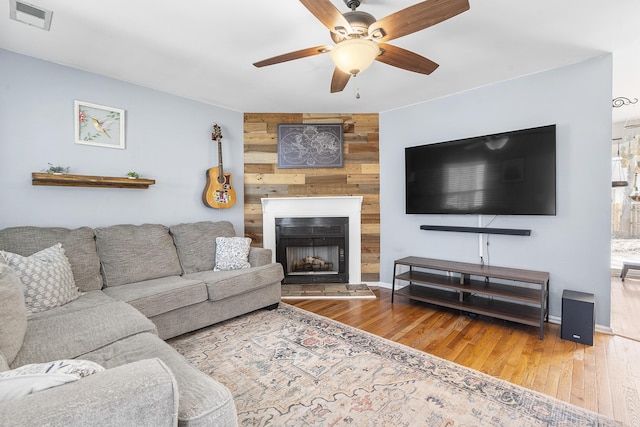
510 173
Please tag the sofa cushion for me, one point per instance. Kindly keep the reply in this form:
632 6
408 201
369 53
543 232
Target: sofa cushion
224 284
83 302
143 393
13 315
260 256
203 401
4 365
232 253
196 243
156 296
72 333
46 277
27 379
134 253
79 245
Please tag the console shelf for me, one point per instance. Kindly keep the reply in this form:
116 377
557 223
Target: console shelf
472 288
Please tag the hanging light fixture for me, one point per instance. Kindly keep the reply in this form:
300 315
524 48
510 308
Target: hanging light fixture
618 177
635 194
353 56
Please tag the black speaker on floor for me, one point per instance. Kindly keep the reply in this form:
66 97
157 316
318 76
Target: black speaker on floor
578 317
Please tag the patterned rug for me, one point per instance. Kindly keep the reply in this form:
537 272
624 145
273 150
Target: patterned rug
327 291
288 367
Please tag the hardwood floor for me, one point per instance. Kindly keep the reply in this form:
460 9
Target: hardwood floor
603 378
625 306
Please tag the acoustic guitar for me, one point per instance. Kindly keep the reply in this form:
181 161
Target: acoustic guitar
218 193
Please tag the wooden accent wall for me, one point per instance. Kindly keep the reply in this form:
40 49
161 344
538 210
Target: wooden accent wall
360 175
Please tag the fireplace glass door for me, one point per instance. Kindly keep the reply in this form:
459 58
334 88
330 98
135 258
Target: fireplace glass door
312 259
313 250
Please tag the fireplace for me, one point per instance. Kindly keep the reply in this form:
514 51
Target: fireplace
317 207
313 250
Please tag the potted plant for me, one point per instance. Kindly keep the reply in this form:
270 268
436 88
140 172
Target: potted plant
133 175
57 170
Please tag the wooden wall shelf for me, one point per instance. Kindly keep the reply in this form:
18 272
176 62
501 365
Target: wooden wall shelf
70 180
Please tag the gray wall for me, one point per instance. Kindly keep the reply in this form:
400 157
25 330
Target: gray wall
168 138
574 246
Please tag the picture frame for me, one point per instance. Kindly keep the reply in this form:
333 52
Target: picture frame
310 145
99 125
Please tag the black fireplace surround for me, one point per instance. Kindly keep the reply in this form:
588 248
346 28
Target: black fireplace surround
313 250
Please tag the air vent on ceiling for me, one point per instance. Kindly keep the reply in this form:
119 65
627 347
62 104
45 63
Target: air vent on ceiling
30 14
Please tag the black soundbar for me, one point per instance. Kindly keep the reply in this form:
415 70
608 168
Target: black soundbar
485 230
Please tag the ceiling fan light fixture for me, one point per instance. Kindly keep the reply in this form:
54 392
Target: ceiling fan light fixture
341 30
378 33
353 56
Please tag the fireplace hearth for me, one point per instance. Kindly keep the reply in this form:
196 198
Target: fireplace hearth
313 250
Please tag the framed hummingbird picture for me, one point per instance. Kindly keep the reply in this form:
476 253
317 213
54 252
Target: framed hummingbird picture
99 125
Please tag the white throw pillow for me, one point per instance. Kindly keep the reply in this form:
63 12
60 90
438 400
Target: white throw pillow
35 377
232 253
46 276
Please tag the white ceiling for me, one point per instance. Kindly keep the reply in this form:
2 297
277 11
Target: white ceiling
204 49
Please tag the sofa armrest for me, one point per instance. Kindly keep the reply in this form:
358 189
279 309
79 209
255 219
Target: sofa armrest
142 393
259 256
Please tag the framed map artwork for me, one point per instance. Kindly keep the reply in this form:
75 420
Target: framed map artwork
310 146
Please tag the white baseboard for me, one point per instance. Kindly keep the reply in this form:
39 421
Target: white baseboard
379 284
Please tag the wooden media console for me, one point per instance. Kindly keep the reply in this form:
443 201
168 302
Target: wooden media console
520 296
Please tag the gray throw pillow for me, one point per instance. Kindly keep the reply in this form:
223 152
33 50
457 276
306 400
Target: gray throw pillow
13 314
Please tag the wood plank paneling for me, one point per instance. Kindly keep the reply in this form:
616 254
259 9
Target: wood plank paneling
261 158
273 178
360 175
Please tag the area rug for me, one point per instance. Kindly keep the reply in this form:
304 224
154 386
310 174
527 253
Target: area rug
327 291
288 367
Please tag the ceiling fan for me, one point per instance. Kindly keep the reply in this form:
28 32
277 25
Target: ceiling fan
360 38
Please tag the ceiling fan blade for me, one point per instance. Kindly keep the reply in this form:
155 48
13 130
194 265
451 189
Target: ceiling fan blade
303 53
339 80
329 15
415 18
405 59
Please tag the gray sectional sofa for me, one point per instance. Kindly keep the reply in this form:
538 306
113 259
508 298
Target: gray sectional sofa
139 285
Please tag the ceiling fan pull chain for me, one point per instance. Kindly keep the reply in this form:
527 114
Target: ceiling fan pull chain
357 89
